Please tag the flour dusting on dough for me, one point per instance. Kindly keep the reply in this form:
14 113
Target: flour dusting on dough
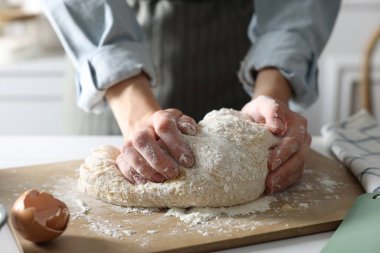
230 168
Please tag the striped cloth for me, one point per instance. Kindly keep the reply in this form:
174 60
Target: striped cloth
356 143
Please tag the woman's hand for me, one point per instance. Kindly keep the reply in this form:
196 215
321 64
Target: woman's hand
269 106
154 147
286 161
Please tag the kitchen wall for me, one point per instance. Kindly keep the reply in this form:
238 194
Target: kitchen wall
341 62
32 86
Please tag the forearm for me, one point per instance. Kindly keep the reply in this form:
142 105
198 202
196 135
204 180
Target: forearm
105 43
290 35
270 82
132 102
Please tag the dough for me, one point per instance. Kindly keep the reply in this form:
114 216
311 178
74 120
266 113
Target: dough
230 168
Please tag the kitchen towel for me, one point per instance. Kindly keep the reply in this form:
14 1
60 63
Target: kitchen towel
356 143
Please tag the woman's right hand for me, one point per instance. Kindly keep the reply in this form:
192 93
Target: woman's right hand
155 150
154 147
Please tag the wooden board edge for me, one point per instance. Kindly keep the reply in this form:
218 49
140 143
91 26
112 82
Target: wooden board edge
256 239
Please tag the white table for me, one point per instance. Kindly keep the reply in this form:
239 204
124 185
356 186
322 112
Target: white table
16 151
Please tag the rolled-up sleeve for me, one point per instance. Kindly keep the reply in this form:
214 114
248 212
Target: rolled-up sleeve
289 35
105 43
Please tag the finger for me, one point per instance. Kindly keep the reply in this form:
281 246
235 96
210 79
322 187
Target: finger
274 114
166 128
145 143
268 111
294 139
286 148
187 125
289 181
140 165
128 172
287 173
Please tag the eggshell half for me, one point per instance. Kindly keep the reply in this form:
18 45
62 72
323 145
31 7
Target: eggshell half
39 217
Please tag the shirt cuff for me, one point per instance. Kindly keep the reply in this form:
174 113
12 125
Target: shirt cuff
110 65
289 53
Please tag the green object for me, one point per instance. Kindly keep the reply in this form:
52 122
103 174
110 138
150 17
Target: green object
360 229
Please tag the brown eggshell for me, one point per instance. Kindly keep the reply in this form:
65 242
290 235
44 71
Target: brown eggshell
39 217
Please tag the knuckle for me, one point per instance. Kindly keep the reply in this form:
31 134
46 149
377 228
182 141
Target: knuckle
164 125
127 145
140 139
158 114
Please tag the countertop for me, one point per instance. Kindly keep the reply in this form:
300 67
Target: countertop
17 151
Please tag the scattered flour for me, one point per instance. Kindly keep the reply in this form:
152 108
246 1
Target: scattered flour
204 221
129 232
199 215
303 205
142 210
327 183
83 207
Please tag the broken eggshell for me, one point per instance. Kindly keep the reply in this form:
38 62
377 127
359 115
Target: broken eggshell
39 217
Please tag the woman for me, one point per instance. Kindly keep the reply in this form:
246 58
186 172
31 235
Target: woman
142 57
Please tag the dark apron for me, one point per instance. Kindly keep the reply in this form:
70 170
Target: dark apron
197 47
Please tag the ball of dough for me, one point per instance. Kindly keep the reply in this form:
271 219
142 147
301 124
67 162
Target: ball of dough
230 168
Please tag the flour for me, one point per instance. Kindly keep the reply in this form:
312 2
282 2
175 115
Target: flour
83 207
264 212
230 168
142 210
196 216
129 232
327 182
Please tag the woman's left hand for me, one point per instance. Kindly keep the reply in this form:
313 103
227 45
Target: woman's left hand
287 160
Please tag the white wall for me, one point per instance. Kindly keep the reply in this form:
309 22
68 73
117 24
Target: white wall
356 21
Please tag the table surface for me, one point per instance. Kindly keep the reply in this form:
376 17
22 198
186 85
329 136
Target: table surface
17 151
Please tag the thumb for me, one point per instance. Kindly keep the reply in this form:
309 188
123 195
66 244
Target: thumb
275 124
274 113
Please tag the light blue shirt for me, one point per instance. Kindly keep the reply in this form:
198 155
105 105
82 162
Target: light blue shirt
107 45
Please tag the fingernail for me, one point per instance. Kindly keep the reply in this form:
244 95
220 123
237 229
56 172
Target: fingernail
186 160
190 129
157 177
277 123
139 179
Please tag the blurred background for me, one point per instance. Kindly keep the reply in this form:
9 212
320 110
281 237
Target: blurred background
37 93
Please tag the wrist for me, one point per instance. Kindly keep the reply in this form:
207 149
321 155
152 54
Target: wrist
132 103
270 82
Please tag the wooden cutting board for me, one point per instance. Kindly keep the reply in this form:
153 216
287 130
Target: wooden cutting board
316 204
